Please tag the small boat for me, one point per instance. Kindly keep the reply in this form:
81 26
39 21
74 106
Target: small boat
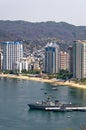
45 93
54 88
68 116
42 89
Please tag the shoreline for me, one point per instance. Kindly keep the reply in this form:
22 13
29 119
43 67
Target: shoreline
67 83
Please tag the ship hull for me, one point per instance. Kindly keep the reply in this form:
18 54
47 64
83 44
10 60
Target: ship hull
56 108
39 107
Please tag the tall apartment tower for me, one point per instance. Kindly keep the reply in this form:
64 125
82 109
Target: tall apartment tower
12 53
52 58
79 59
0 62
70 52
64 60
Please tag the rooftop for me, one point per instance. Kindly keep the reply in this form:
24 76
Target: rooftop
80 41
51 44
12 42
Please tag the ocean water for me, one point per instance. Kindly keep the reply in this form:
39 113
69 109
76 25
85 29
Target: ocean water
15 114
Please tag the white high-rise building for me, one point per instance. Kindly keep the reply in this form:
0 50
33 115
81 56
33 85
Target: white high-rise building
79 59
52 58
84 60
12 53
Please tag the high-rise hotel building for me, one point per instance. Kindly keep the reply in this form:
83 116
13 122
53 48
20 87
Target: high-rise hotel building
70 53
0 59
12 53
0 62
79 59
64 60
52 58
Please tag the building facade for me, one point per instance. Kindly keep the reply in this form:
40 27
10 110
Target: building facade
12 53
79 59
51 58
0 62
84 60
0 58
64 60
70 52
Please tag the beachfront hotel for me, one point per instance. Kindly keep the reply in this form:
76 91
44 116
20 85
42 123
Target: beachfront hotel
0 62
12 53
70 53
79 59
51 64
0 58
64 60
28 63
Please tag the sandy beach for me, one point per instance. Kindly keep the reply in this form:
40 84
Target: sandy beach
67 83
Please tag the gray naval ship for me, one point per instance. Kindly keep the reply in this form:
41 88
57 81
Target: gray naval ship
48 104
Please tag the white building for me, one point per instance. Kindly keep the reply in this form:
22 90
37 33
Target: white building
22 65
12 53
27 63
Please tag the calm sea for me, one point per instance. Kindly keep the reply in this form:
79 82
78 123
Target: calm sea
15 94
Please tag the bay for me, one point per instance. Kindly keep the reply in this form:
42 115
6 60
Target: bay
15 94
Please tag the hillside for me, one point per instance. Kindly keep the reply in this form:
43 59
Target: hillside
21 30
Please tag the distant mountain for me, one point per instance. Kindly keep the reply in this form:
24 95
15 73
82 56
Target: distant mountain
22 30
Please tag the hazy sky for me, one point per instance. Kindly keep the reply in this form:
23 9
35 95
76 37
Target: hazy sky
71 11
